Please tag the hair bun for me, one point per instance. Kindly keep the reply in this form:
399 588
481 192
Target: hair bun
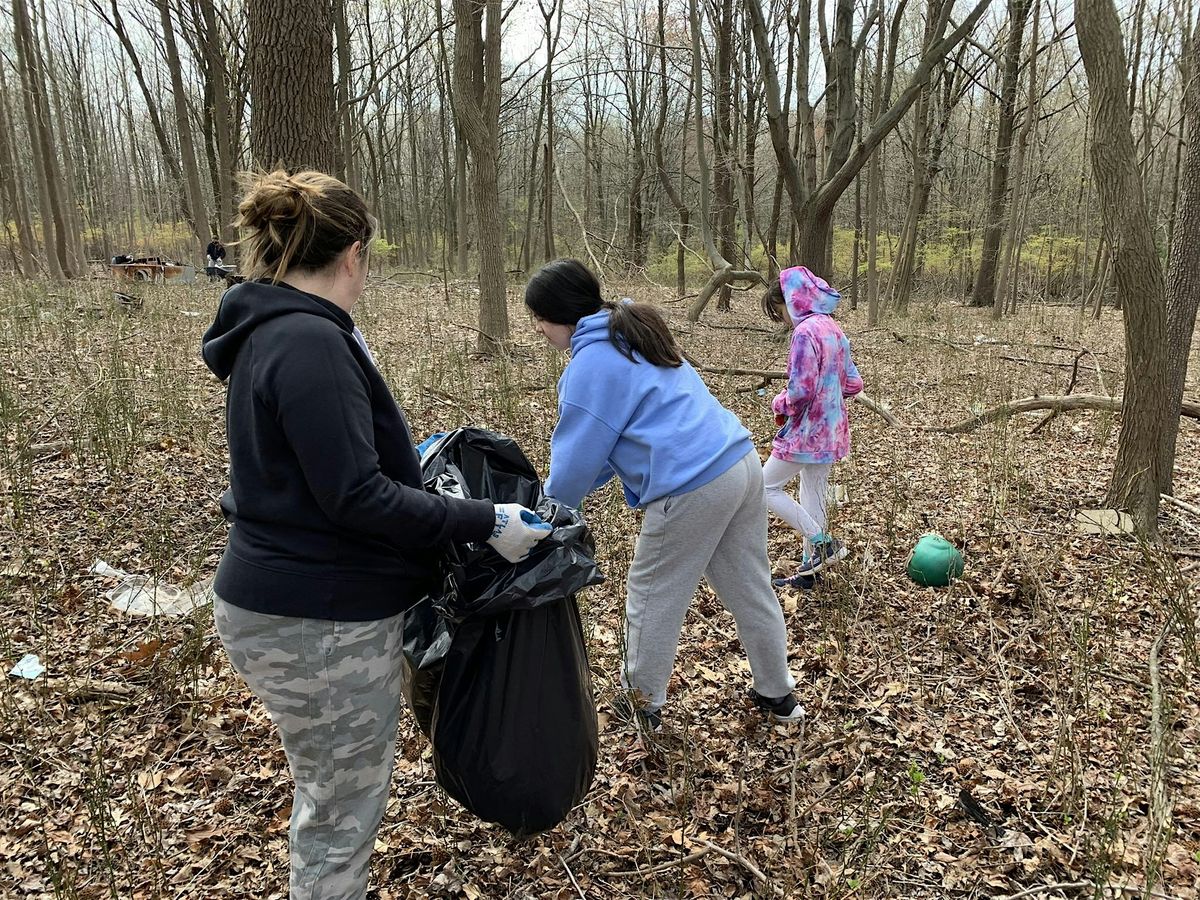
277 197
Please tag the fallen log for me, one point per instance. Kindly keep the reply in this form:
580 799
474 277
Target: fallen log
1061 403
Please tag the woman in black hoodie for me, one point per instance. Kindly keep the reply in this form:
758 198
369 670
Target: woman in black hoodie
332 535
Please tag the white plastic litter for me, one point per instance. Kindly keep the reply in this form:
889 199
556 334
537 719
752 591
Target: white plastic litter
28 666
139 595
100 567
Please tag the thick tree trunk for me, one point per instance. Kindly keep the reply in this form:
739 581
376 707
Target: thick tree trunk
477 80
290 59
985 278
1137 472
1183 276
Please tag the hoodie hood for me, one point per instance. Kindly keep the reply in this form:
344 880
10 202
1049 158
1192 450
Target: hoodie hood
590 330
246 306
806 293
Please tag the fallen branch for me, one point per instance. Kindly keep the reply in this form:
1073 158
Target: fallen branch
879 409
742 861
1187 507
71 689
1047 888
663 867
1068 403
1055 365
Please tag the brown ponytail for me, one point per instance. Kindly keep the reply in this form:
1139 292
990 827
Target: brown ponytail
640 327
301 221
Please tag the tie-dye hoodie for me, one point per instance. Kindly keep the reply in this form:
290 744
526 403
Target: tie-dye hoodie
820 375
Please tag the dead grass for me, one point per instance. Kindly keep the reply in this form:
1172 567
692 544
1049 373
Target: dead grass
1024 691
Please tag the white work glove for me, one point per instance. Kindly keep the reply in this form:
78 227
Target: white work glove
517 530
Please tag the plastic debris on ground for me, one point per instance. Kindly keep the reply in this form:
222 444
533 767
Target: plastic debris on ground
140 595
28 666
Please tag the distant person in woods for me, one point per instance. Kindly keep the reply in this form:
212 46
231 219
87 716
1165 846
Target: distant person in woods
332 535
630 406
214 257
814 429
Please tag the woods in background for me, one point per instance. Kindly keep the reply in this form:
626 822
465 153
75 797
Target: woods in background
921 146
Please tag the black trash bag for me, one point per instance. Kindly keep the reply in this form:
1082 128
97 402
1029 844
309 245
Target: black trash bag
515 736
496 669
426 643
479 464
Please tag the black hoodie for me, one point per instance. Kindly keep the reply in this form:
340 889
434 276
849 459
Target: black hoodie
329 518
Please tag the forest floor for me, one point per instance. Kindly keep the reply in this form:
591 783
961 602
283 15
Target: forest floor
1033 730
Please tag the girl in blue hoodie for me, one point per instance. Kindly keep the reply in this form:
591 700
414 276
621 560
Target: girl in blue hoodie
630 406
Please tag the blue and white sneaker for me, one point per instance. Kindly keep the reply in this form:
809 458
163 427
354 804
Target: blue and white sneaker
801 581
826 551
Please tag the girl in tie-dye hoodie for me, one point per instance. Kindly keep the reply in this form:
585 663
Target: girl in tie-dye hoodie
811 410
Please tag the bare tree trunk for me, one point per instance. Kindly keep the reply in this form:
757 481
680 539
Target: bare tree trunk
1183 276
724 207
477 79
183 123
72 224
722 269
549 251
30 265
217 94
1137 472
874 186
290 56
345 106
664 177
1010 256
985 278
531 187
45 160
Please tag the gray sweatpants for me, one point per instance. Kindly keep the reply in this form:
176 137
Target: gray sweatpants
718 531
333 691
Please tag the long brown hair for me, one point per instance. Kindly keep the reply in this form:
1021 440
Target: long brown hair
565 290
301 222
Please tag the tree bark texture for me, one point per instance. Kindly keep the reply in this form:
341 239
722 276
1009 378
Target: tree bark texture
1183 275
477 85
1137 470
292 104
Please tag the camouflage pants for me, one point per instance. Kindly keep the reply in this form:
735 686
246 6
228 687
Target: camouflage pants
333 691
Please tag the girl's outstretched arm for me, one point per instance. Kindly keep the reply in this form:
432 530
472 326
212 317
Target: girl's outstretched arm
854 383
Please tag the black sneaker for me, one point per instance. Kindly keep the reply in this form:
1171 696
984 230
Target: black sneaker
647 721
782 709
800 581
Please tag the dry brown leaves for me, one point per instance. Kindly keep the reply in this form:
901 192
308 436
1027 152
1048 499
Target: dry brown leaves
968 742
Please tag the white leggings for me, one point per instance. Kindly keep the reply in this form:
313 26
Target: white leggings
808 516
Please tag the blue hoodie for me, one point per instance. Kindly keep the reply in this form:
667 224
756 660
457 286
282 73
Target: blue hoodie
657 428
